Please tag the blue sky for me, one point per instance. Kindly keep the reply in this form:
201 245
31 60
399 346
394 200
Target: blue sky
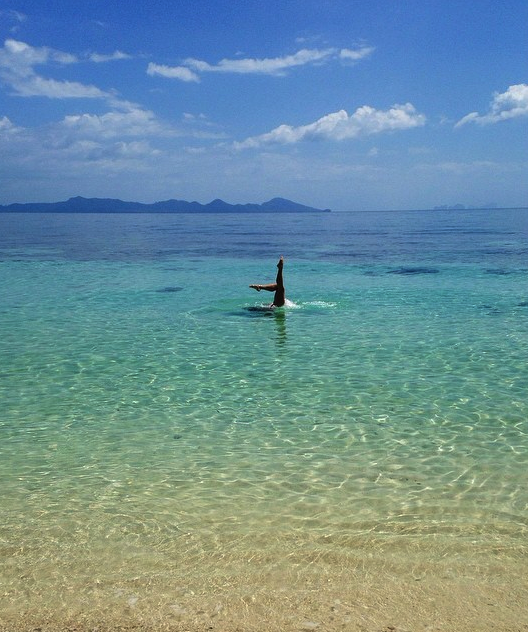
343 104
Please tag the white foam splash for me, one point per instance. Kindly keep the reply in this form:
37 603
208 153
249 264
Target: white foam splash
320 304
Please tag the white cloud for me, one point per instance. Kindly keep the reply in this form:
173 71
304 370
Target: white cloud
21 55
172 72
277 66
341 126
17 60
115 56
134 122
505 105
7 127
356 55
269 66
35 86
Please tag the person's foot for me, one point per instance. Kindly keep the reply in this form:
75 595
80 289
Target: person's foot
281 262
255 287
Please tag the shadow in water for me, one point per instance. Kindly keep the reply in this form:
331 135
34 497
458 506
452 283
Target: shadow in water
278 314
280 321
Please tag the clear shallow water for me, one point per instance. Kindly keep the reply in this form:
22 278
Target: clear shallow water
160 443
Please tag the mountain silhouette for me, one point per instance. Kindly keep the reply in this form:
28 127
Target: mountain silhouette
107 205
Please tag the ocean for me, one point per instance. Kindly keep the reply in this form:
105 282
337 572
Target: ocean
174 460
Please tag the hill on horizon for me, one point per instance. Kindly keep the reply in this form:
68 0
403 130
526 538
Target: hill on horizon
80 204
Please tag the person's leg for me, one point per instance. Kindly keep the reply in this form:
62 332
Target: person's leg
270 287
279 298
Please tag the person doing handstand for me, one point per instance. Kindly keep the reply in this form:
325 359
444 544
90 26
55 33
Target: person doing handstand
277 287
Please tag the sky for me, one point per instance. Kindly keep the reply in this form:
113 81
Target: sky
341 104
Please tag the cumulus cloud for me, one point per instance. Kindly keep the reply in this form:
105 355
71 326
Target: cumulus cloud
190 68
340 126
504 105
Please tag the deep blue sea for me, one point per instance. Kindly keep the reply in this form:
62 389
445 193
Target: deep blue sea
169 456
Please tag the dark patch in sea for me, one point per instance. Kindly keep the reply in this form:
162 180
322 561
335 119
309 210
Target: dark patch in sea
170 288
261 310
491 309
522 304
502 271
411 271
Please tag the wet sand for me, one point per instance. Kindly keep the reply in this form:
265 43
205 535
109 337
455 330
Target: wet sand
358 600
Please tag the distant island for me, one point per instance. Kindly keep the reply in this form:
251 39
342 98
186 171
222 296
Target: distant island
104 205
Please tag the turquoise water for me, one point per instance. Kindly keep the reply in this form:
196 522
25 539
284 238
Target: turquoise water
160 443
